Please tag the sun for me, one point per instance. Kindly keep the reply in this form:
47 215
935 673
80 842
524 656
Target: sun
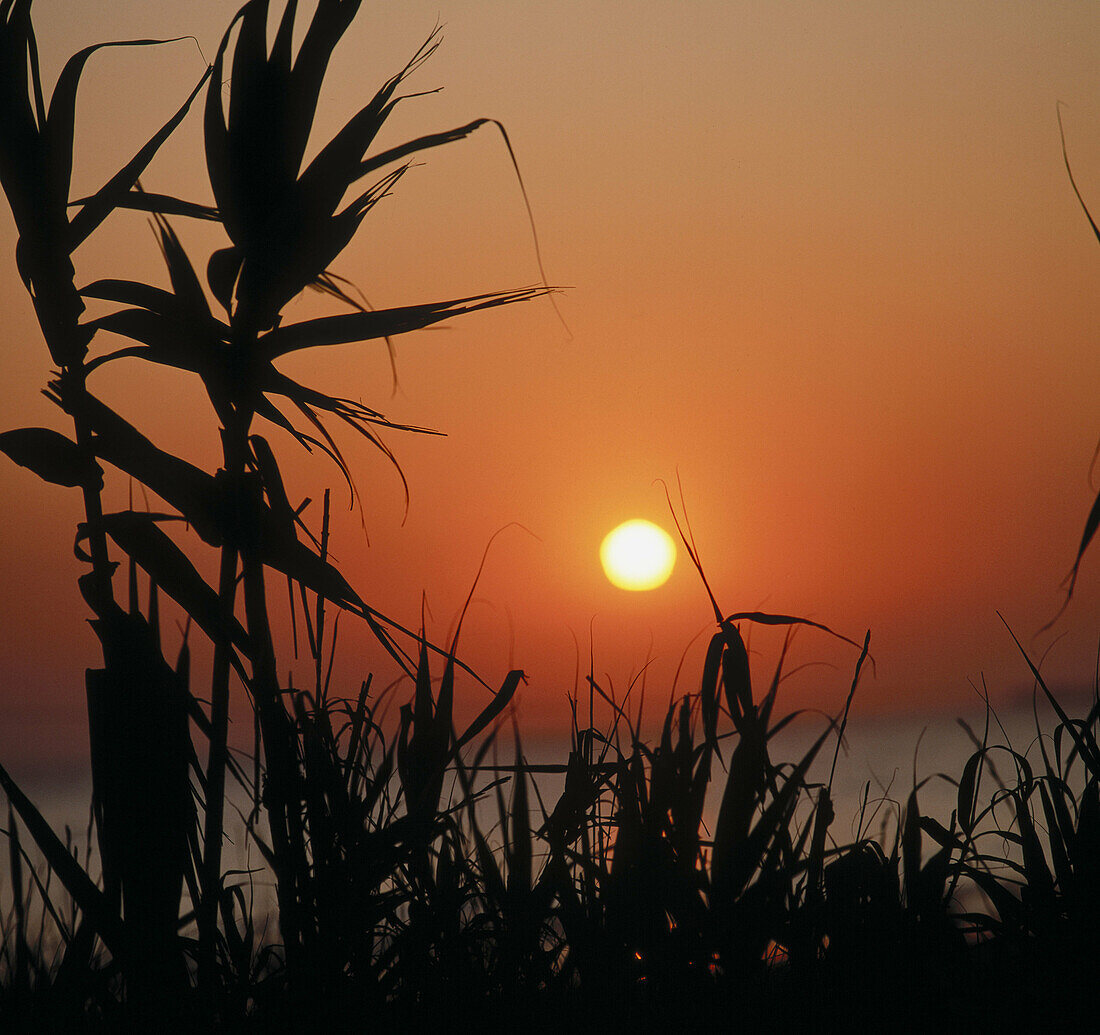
638 555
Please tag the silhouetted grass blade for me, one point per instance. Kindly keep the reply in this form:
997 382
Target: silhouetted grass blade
87 896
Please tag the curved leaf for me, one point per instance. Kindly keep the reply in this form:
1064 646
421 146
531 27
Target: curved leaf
59 138
132 292
165 204
115 193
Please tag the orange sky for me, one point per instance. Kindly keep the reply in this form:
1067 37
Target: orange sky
824 263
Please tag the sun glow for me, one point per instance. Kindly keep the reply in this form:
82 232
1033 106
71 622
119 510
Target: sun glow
638 555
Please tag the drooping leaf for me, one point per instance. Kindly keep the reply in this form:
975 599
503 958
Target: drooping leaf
429 140
761 618
140 537
52 456
134 293
172 340
58 140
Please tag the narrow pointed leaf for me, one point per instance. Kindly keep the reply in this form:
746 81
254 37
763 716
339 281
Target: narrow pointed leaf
1092 523
1085 745
968 786
330 21
761 618
149 201
395 154
520 856
352 327
195 494
500 701
133 293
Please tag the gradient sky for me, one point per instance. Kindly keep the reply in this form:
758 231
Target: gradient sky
824 265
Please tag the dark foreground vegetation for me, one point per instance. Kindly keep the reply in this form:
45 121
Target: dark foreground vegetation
418 881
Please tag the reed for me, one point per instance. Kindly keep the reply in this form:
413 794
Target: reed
416 876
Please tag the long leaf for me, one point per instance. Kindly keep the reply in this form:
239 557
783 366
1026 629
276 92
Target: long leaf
744 857
500 701
761 618
1086 745
329 23
133 293
195 494
330 173
1092 523
149 201
352 327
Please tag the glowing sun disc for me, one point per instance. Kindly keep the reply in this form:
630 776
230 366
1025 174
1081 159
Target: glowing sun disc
638 555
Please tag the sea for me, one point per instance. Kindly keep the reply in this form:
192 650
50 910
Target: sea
877 764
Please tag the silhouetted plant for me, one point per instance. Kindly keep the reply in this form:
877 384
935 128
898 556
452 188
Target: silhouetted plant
286 225
409 885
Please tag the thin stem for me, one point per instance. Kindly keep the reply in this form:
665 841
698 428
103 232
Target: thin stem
215 775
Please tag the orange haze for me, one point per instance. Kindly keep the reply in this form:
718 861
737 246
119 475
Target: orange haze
824 265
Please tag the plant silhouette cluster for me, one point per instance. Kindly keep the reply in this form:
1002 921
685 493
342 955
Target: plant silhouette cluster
415 878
